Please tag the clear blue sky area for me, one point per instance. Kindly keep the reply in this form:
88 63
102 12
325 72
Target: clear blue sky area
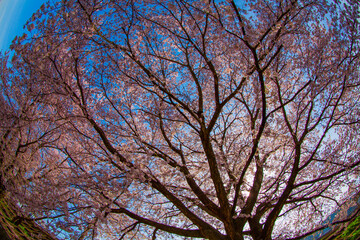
13 16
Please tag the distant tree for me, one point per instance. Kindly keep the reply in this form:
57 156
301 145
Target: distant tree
202 119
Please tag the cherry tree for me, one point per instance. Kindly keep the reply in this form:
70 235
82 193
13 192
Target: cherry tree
19 139
198 119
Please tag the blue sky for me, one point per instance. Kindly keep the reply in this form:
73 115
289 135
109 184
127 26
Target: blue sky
13 16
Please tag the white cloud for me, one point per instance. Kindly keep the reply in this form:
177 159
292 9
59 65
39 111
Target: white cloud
10 11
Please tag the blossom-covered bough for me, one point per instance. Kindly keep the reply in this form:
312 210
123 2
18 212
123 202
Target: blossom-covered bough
198 119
